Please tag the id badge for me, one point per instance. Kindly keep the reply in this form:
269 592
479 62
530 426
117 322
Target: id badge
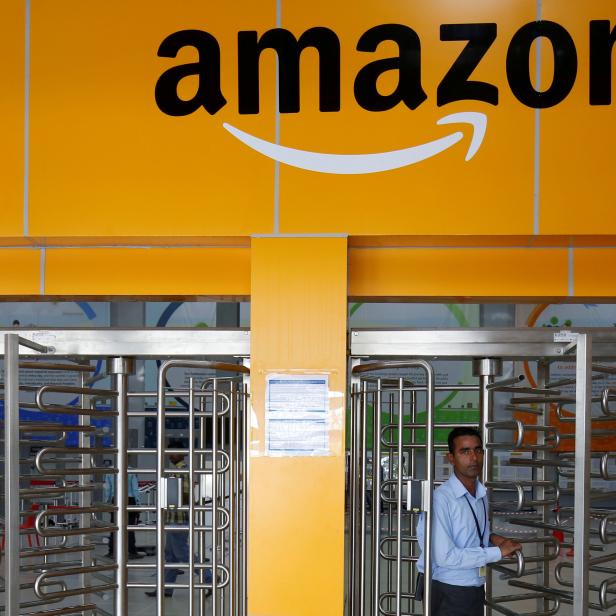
482 571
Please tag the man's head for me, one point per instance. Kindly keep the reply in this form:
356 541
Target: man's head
176 457
465 452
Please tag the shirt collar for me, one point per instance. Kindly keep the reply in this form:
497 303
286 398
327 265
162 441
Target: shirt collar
459 490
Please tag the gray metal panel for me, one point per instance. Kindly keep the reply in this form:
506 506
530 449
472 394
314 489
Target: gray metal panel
464 343
147 342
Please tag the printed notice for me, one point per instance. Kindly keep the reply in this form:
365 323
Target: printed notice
297 413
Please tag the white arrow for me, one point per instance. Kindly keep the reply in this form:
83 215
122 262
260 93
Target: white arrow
369 163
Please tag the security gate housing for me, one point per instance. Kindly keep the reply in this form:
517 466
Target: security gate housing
531 419
53 512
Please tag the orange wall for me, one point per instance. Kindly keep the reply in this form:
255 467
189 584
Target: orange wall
296 508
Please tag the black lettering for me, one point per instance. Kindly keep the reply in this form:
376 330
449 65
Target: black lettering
601 43
208 94
456 86
288 49
408 65
565 64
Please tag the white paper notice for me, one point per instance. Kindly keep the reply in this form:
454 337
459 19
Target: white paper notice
297 413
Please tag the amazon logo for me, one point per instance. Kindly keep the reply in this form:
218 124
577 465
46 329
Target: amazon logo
456 84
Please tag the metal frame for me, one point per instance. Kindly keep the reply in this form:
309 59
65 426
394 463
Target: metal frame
547 344
138 343
121 347
518 343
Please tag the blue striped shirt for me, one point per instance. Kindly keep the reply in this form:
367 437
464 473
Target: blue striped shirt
456 552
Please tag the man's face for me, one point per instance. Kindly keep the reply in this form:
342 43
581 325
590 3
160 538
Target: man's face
176 457
467 456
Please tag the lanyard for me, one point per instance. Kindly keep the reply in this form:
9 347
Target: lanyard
485 514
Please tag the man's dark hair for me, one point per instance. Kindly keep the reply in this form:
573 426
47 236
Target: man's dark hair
176 443
461 431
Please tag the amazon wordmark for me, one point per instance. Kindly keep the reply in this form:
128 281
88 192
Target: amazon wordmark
455 85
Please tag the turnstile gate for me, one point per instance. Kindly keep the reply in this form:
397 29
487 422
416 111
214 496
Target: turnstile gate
69 402
541 431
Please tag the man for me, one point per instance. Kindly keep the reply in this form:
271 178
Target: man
462 542
176 541
133 516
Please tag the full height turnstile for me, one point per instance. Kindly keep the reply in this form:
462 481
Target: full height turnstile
543 402
70 399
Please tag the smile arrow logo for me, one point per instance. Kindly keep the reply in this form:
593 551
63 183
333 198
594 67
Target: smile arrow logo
348 164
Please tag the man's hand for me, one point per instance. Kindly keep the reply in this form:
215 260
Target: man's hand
509 546
497 539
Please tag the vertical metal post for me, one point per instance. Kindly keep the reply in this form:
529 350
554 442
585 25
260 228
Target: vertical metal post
399 454
215 499
543 473
430 483
121 367
353 499
354 488
363 440
583 418
85 498
390 510
191 496
201 515
413 473
11 473
486 369
376 500
161 503
233 499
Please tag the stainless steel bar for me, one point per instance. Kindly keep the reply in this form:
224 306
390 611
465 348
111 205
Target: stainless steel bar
171 393
35 346
543 473
527 390
233 528
160 504
505 382
120 368
84 496
487 369
430 479
353 498
541 399
65 611
391 591
583 394
522 409
362 502
215 500
413 522
11 474
201 514
40 365
191 498
223 488
603 369
376 501
563 382
83 452
41 580
399 501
